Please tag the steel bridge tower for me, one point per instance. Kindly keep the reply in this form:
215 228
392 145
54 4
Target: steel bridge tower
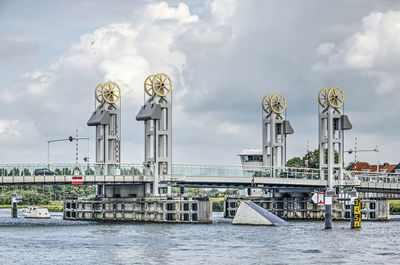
332 124
157 116
107 120
274 130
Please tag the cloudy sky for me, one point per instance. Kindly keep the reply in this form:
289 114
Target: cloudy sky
223 56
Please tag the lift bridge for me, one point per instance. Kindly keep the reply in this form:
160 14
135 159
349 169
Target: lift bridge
157 174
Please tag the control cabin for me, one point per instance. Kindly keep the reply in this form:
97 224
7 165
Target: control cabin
251 157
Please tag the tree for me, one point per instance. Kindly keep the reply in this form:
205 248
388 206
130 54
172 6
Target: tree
296 162
350 166
313 158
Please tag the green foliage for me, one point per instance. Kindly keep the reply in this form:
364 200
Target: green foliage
195 192
296 162
394 207
350 166
14 172
89 171
218 206
313 160
3 172
131 171
28 197
52 192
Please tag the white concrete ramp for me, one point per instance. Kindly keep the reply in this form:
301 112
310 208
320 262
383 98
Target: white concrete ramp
250 213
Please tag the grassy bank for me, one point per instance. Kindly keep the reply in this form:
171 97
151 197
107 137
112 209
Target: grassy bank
52 207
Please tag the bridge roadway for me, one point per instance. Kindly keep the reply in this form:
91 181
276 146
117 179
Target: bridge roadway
205 176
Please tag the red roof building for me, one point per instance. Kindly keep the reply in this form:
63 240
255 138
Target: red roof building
364 167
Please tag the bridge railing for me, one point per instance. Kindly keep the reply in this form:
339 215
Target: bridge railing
374 177
32 169
244 171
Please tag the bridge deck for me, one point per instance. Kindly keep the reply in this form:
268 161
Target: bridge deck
190 175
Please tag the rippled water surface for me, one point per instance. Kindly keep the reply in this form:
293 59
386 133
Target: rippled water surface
55 241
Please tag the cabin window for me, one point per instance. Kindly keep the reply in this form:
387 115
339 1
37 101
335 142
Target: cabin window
252 158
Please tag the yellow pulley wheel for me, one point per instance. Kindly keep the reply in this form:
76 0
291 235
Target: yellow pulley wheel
162 85
278 103
111 92
323 97
335 97
266 103
98 93
148 85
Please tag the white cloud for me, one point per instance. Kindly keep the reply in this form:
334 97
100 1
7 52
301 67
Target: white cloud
222 11
223 56
161 11
15 132
122 52
375 51
325 48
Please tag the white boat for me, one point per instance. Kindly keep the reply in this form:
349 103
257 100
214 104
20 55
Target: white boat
36 212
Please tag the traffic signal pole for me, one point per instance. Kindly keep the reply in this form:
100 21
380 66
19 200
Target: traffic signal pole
70 138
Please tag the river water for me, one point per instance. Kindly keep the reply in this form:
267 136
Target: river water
56 241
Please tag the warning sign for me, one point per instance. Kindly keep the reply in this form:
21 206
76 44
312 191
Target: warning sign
319 198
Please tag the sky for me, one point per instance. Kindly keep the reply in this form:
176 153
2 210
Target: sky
223 57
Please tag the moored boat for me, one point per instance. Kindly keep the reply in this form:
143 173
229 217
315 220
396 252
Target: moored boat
36 212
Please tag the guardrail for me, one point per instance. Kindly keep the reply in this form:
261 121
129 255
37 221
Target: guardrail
48 169
244 171
137 169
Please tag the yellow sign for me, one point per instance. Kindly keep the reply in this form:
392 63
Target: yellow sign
357 213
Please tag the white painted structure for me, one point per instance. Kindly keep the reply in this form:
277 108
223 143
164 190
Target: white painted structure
251 157
250 213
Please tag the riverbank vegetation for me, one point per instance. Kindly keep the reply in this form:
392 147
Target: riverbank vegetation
394 207
48 196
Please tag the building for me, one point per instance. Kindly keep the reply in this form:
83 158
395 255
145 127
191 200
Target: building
363 167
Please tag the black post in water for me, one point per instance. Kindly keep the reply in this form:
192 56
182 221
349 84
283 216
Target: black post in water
14 209
328 216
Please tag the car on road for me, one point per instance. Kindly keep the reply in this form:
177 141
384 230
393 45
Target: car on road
43 172
287 175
